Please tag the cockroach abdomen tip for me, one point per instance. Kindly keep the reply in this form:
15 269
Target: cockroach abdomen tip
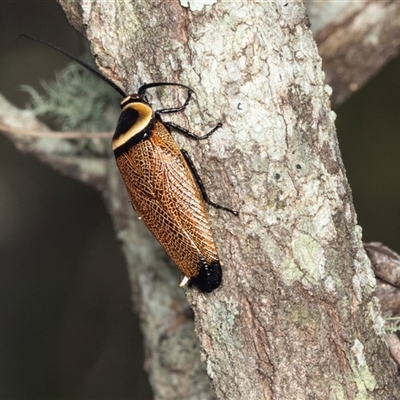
209 277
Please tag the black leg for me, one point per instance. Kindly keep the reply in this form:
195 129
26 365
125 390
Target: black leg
179 128
189 134
201 186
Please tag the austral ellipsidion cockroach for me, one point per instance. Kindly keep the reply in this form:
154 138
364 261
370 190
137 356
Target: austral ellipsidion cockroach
163 184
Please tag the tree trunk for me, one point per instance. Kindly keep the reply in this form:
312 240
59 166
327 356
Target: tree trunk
295 317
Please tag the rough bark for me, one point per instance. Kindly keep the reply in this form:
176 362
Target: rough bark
386 265
295 316
355 39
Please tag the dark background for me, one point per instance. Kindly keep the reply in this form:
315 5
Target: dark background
66 326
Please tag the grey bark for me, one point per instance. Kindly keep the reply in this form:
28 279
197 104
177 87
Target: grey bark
355 40
295 316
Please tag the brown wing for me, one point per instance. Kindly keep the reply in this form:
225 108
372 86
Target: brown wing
166 197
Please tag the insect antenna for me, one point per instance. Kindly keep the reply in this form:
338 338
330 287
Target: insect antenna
142 90
80 62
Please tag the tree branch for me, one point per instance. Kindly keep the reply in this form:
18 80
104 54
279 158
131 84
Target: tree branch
31 135
386 265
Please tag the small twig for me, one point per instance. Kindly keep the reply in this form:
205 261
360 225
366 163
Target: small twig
54 134
385 263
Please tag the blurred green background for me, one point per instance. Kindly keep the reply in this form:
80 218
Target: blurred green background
66 326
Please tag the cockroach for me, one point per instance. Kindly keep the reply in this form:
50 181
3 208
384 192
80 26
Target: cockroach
164 187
